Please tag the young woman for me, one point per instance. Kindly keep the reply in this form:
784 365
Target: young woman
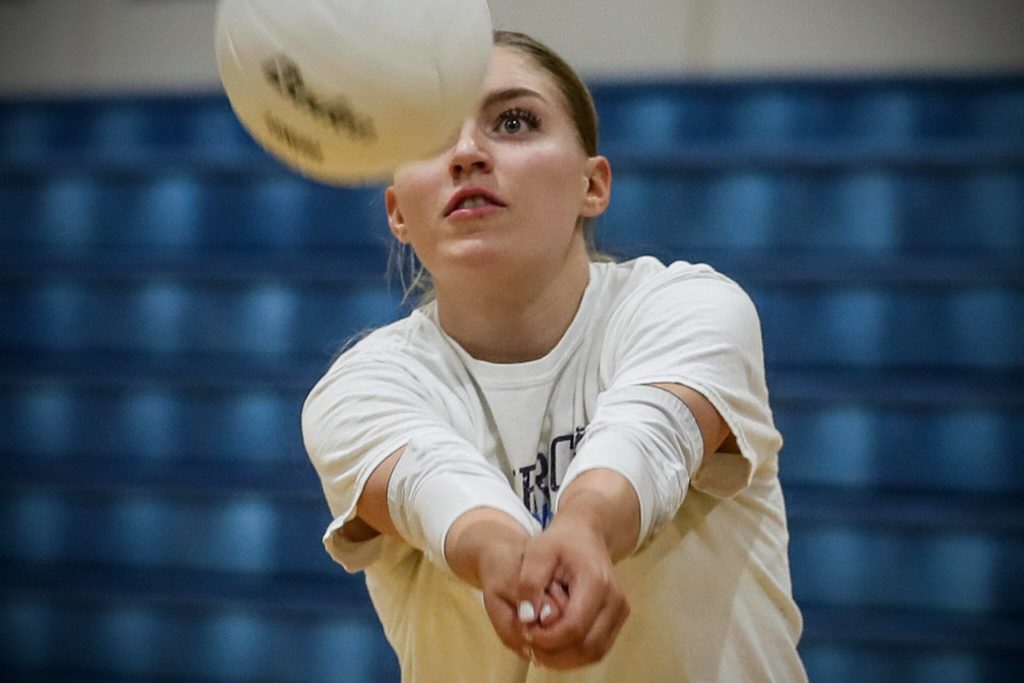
558 468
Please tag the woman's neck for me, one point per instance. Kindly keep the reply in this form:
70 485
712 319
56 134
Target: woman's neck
513 320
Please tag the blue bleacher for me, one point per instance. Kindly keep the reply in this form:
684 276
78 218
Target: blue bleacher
228 641
818 209
184 210
169 293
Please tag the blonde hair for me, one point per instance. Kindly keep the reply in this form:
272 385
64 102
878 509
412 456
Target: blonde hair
403 264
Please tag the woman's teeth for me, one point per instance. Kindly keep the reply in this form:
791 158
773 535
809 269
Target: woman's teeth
473 202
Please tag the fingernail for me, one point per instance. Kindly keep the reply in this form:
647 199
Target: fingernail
527 653
526 612
545 611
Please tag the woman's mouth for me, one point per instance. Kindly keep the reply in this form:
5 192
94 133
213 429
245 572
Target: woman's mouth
472 202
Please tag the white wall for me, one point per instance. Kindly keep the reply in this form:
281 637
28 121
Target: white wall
758 36
88 45
868 35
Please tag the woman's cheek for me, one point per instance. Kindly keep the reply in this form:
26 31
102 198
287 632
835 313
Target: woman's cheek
415 197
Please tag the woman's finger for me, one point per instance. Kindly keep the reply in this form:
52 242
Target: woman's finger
553 606
505 621
536 573
586 598
591 648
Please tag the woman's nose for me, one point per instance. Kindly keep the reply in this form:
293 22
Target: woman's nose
471 152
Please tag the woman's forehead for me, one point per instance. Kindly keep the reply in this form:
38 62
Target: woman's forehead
510 68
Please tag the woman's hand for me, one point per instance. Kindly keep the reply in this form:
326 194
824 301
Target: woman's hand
569 564
485 548
596 525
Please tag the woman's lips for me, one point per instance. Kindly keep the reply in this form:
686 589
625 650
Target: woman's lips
471 202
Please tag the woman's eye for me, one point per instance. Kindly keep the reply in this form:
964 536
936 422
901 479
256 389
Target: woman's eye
515 121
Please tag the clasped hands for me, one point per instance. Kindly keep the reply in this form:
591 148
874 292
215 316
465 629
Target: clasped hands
553 597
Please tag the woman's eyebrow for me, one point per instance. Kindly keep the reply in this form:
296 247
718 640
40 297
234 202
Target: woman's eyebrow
509 94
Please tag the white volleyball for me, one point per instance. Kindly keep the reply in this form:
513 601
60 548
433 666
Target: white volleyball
344 91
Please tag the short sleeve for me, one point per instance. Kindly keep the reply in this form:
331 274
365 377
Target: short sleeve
693 326
369 406
355 417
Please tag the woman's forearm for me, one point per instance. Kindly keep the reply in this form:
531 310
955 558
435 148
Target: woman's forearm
480 540
606 502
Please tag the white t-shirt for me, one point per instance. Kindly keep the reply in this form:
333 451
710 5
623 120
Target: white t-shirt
710 593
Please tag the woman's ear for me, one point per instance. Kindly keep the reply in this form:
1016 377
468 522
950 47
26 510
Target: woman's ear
598 187
395 219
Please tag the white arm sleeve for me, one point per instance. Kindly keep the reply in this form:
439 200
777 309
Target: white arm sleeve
439 478
649 436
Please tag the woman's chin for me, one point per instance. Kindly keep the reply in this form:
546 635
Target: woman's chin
480 252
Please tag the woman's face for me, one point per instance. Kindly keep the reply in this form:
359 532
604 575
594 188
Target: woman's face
508 194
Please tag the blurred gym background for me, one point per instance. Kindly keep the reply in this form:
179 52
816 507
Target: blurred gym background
168 295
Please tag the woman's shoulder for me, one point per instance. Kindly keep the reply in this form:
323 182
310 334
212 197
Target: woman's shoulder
411 347
645 275
393 341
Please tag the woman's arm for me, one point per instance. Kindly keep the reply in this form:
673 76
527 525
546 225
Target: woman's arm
713 428
483 547
472 534
612 493
372 515
596 525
